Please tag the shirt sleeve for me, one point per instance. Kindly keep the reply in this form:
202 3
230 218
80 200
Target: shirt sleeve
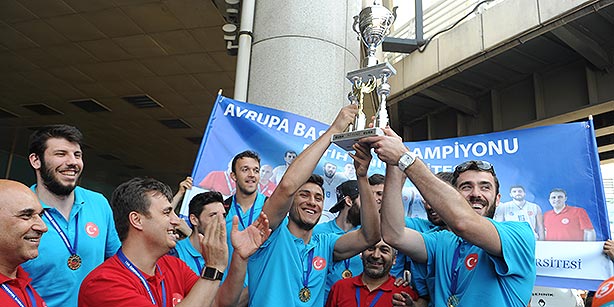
518 248
585 221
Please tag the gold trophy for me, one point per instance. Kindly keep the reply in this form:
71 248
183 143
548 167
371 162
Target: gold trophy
373 25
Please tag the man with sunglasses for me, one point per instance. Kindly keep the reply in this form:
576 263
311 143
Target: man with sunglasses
480 262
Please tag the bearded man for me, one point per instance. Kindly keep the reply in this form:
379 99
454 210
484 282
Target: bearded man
81 229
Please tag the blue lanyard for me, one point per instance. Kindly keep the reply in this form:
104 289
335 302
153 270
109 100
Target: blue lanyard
377 297
198 265
454 264
239 211
135 271
309 267
16 298
72 250
346 262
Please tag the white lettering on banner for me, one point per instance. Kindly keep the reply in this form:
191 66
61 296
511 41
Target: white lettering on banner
310 133
580 260
267 120
478 149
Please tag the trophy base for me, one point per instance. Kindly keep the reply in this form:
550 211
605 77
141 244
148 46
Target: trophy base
345 140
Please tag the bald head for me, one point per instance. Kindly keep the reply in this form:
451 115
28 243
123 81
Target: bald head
11 191
21 225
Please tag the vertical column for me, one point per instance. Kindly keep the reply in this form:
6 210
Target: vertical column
301 53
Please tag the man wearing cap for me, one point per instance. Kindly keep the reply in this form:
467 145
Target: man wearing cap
290 267
480 261
348 206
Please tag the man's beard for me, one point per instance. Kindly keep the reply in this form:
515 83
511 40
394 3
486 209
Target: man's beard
377 274
52 184
490 207
353 216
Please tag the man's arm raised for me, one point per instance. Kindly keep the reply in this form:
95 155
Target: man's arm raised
445 199
355 242
394 232
278 204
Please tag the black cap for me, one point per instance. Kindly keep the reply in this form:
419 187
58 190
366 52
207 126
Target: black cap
348 188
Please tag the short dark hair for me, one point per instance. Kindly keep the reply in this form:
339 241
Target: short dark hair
376 179
198 202
517 186
132 196
316 179
445 176
558 190
244 154
38 139
290 152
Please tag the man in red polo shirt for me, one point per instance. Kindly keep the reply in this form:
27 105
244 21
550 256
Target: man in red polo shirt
375 286
566 223
21 229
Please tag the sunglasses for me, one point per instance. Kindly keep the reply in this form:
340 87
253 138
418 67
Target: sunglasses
474 165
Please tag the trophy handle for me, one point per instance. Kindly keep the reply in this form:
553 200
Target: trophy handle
355 25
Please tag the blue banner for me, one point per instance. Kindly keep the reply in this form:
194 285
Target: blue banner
562 157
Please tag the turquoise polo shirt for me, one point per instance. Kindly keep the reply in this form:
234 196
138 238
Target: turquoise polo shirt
334 271
483 279
245 216
419 225
276 269
186 252
57 284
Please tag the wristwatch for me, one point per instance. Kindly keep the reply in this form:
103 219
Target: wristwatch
211 274
406 160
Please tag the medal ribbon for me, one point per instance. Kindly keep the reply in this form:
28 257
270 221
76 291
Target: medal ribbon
239 211
72 250
346 262
309 267
135 271
16 298
454 281
377 297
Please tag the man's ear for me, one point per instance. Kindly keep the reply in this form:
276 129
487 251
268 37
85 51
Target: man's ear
194 220
35 161
348 201
135 220
233 176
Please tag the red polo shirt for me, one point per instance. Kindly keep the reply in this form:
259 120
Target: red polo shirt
567 225
343 293
18 286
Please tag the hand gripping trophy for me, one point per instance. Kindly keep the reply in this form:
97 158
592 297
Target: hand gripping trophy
372 26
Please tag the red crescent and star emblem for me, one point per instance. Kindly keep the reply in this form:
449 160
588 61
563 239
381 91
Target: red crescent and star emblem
471 261
91 229
177 298
319 263
565 221
607 288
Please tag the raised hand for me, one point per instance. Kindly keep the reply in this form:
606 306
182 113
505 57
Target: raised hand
213 243
362 158
246 242
344 118
388 147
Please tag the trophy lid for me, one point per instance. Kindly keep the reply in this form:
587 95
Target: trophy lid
374 23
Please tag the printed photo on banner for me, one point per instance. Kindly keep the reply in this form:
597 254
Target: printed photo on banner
549 176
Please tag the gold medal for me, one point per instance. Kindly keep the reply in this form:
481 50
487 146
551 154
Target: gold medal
74 262
304 295
453 301
346 274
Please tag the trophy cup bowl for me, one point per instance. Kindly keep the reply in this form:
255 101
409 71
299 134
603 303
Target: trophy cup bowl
373 25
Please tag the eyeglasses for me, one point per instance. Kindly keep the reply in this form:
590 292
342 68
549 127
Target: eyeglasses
474 165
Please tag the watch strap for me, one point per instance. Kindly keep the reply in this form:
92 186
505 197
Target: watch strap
211 274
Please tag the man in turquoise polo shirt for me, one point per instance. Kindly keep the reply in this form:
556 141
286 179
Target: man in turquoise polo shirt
203 210
480 262
290 267
81 229
348 206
